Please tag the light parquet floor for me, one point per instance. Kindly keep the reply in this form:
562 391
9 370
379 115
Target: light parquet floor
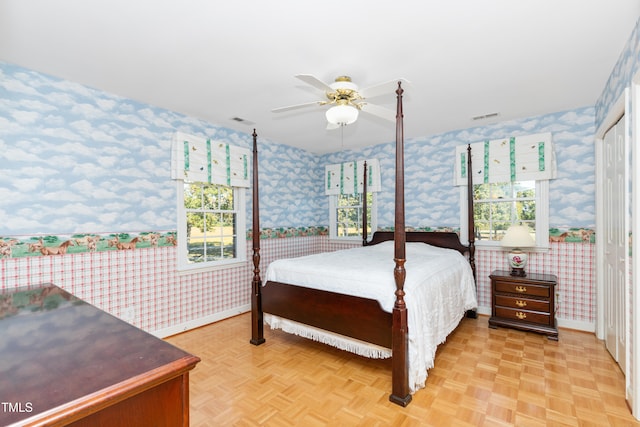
482 377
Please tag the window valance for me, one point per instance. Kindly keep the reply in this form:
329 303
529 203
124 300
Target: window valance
347 178
521 158
199 159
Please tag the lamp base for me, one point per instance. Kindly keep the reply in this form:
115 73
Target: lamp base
519 272
517 261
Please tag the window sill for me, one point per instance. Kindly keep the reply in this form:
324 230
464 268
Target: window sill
193 269
491 247
347 239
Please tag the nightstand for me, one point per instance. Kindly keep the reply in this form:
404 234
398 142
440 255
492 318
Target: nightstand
526 303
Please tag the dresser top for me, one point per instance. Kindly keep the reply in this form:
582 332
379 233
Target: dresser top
536 277
56 349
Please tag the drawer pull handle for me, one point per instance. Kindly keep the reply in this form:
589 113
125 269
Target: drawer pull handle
520 315
521 303
521 289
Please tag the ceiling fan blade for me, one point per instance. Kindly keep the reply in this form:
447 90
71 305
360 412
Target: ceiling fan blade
294 107
378 111
315 82
382 88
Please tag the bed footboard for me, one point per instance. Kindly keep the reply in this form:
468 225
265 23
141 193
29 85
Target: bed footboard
354 317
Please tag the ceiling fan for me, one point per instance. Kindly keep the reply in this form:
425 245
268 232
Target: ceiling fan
346 100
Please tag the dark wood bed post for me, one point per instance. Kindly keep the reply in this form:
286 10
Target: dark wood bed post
471 223
364 206
471 226
257 325
400 393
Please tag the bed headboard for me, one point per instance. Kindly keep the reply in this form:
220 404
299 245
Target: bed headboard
442 239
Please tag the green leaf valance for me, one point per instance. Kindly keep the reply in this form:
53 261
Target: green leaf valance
519 158
347 178
198 159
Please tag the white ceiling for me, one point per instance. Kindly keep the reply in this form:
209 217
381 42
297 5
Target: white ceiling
217 60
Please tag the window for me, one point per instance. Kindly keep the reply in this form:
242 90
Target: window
345 212
510 186
211 178
211 225
344 184
497 206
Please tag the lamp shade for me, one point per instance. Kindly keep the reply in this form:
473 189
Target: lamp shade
518 236
342 114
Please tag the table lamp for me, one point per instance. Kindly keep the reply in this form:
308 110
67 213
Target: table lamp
515 239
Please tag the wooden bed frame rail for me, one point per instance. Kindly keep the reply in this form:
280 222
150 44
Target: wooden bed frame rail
350 316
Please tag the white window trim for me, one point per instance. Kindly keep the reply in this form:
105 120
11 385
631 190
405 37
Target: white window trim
182 266
332 220
542 218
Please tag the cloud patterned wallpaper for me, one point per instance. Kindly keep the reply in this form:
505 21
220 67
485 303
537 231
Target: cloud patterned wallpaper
78 160
74 159
621 76
431 200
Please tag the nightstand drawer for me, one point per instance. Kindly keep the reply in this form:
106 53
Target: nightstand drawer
522 303
522 288
523 315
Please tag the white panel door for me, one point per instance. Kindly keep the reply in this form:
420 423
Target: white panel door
615 241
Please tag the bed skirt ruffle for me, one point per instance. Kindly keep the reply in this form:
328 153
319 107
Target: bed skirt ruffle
351 345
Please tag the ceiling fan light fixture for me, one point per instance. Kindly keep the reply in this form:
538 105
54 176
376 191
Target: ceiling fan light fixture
342 114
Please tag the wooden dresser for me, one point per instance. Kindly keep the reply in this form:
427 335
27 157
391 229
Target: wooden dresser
66 362
526 303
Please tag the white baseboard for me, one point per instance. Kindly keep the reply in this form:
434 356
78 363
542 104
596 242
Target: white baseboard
577 325
196 323
216 317
484 310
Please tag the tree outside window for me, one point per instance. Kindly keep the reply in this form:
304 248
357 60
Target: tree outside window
347 214
500 205
211 223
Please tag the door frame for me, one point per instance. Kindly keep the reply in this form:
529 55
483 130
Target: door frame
633 380
615 113
621 107
614 239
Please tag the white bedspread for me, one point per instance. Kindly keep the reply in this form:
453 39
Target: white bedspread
439 289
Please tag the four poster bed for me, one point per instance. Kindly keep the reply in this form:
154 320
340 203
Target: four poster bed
348 298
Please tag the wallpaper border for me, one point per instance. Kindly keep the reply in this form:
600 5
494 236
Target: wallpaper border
21 246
